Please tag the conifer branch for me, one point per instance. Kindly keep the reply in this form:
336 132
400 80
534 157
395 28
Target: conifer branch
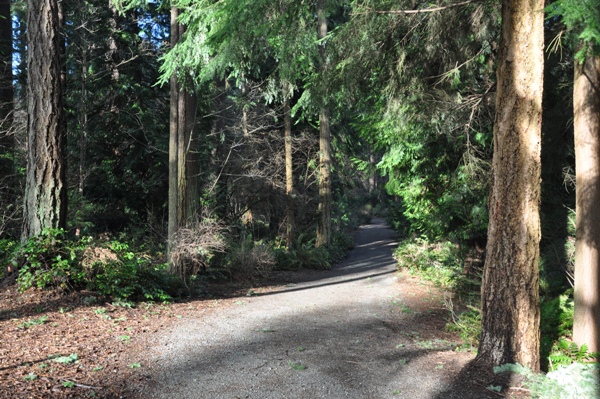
419 11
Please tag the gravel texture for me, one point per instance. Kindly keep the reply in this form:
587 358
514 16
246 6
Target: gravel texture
360 330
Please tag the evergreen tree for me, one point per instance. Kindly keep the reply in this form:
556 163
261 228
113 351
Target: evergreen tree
510 290
46 185
583 21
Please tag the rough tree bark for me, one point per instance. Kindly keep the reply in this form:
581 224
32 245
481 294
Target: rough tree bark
510 292
324 209
586 109
45 187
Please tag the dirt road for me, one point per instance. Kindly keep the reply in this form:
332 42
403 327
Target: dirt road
360 330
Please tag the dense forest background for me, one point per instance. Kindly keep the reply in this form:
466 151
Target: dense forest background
208 140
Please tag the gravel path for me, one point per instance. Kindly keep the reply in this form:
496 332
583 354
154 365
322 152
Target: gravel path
357 331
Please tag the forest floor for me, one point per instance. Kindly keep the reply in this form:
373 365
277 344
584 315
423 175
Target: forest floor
360 330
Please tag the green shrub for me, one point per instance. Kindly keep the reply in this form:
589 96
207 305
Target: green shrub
123 274
468 325
566 352
303 255
111 269
47 260
576 381
556 324
7 250
439 263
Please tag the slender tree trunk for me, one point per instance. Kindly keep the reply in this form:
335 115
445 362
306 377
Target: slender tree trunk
83 122
6 90
289 169
173 196
510 292
324 209
183 165
586 108
187 170
45 189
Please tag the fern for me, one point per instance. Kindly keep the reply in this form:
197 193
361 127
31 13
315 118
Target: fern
566 352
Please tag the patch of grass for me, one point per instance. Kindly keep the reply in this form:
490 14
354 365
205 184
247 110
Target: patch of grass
124 338
72 358
30 377
296 366
34 322
68 384
135 366
434 344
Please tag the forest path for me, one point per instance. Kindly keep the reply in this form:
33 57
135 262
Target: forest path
360 330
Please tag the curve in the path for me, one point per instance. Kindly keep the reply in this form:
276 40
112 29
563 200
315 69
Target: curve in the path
342 335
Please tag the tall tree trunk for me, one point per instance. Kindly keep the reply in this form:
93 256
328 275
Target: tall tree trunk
173 197
46 188
289 169
510 292
6 90
586 108
187 169
183 168
324 209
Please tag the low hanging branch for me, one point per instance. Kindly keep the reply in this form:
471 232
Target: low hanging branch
423 10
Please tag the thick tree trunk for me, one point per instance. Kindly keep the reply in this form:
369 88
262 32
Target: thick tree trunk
289 172
510 292
6 90
586 108
324 209
45 189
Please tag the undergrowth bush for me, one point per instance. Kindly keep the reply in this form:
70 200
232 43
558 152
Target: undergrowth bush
442 264
468 325
250 260
47 260
439 263
565 352
109 268
576 381
556 325
304 256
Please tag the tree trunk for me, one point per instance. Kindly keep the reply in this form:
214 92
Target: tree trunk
45 187
183 165
324 209
510 292
289 170
586 108
6 90
173 197
187 169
